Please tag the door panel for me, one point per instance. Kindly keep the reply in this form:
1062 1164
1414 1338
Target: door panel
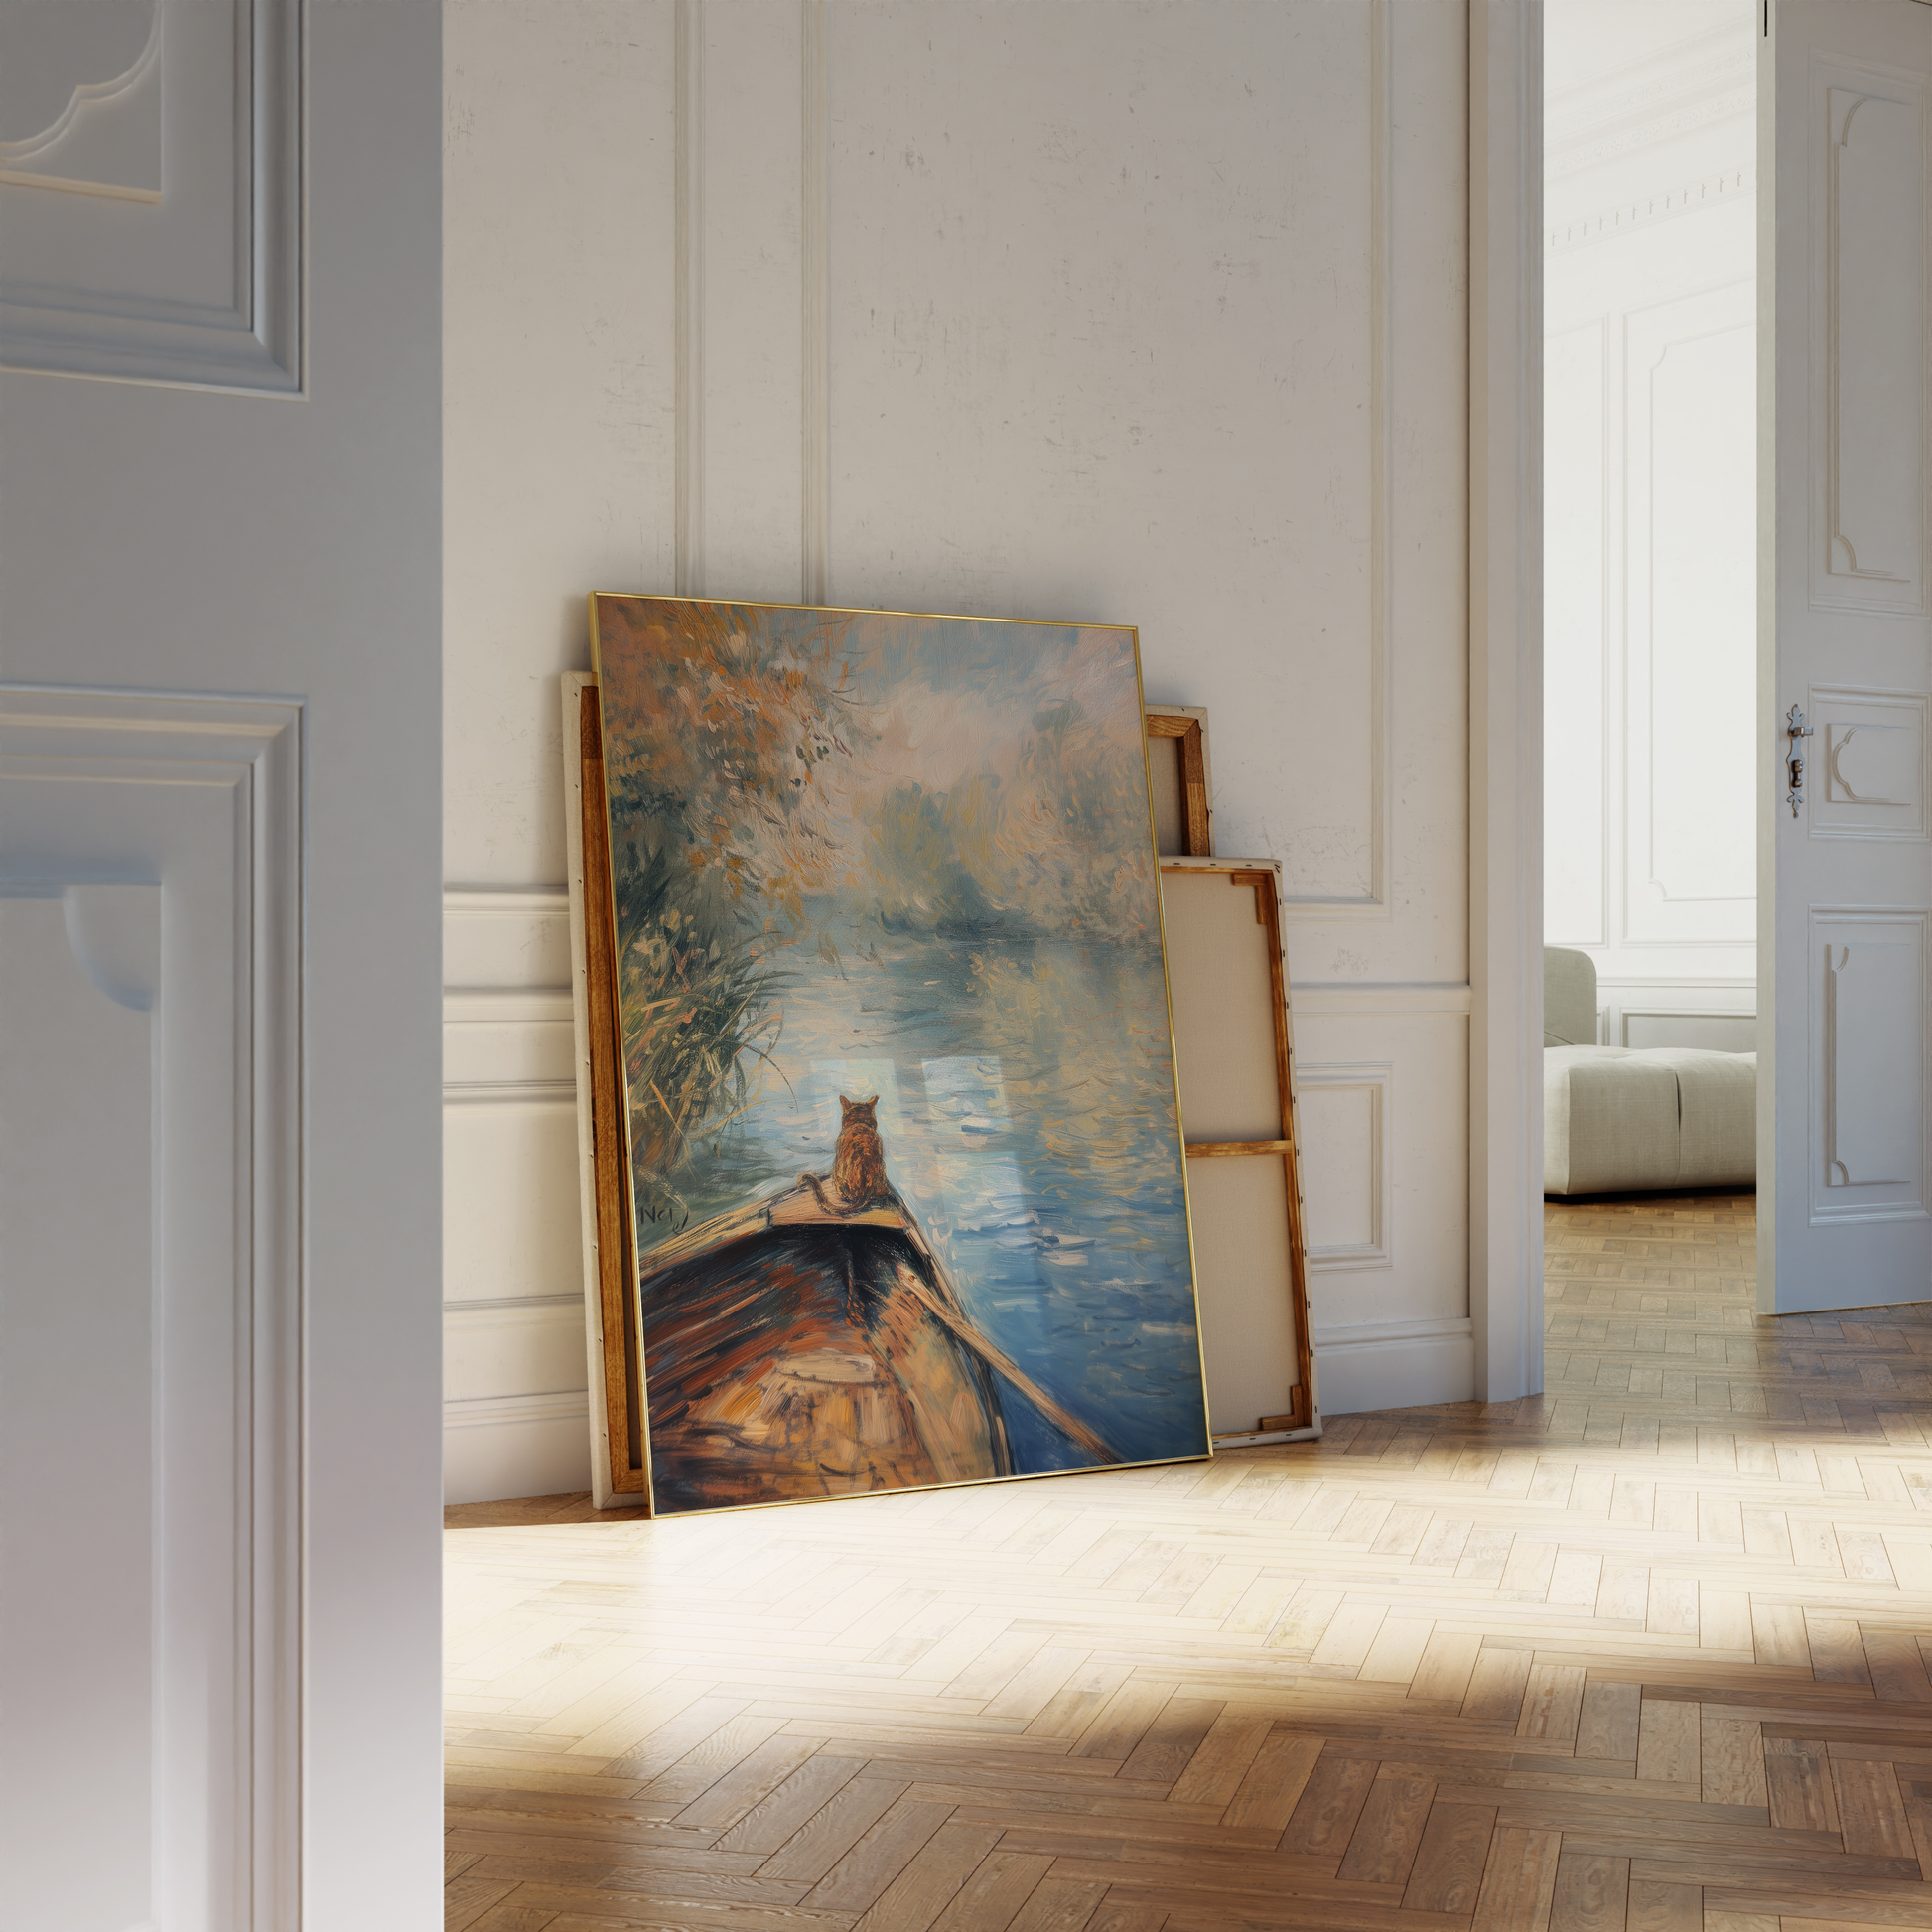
1844 133
220 692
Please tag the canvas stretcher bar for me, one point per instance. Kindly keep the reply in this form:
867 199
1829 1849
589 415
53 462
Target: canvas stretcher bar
1234 1052
1182 782
619 1444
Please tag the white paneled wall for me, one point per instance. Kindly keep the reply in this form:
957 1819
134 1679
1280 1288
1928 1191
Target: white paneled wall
1650 502
1134 312
514 1358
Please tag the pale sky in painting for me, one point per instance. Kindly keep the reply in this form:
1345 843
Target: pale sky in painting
953 701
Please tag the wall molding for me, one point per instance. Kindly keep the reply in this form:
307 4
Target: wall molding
502 944
1382 1335
815 403
1667 205
514 1308
509 1098
1382 463
1332 999
1740 980
1507 696
1396 1364
1660 1011
509 1411
508 1005
1376 903
1376 1078
494 900
688 288
1651 908
510 1093
252 340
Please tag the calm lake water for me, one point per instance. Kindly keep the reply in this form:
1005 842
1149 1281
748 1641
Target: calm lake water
1026 1104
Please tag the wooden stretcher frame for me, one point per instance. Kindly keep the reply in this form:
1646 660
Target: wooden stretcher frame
1262 877
619 1438
619 1427
1184 727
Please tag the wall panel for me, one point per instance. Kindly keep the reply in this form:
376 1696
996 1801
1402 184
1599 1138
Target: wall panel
1689 875
515 1404
559 421
1139 311
1388 1218
1575 621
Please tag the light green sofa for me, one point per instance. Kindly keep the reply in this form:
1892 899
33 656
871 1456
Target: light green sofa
1619 1120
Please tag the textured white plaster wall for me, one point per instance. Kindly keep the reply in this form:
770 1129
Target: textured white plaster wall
1132 312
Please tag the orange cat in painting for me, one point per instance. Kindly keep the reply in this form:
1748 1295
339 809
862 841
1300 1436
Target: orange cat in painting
858 1162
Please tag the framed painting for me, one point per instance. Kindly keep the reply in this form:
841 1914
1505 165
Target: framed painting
893 1063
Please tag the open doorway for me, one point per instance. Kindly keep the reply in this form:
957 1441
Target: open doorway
1650 304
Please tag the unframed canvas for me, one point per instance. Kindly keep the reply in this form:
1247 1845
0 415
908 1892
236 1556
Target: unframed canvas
895 1053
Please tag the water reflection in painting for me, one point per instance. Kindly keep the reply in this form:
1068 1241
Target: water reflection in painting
894 1037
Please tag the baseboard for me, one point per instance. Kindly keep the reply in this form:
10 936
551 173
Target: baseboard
1395 1364
500 1446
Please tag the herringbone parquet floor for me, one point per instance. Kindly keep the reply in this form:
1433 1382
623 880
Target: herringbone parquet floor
1645 1655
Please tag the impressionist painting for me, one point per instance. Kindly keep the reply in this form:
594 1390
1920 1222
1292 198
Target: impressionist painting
904 1137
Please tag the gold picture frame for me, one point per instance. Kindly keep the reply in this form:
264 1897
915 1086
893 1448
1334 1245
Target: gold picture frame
625 1476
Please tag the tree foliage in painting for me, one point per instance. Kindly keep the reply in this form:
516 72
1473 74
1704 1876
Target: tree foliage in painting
716 744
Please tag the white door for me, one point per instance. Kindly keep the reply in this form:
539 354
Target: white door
219 965
1845 1157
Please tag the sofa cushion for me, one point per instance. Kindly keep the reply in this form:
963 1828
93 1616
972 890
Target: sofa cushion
1610 1121
1716 1114
1619 1120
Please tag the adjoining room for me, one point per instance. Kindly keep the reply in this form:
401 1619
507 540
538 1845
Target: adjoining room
1650 588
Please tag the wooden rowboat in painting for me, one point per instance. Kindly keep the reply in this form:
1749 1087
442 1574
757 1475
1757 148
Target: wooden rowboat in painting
793 1350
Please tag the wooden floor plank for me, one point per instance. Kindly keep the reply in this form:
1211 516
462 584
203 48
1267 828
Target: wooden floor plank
1519 1880
993 1892
929 1883
1645 1653
1592 1893
1447 1875
1272 1788
1390 1828
1324 1820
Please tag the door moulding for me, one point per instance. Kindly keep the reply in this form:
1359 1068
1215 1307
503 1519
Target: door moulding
1507 696
201 797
